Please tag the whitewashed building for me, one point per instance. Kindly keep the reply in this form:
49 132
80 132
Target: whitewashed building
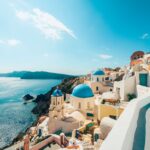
98 82
131 131
138 73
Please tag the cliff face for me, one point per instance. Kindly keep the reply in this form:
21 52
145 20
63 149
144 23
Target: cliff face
43 100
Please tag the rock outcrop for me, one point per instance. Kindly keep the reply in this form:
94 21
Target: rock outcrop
28 97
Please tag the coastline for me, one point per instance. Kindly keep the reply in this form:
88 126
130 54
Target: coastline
20 135
66 86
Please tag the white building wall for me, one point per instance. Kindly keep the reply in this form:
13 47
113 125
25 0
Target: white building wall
126 86
97 78
130 86
114 75
101 88
68 96
147 145
57 101
121 136
148 84
83 102
142 90
119 85
55 125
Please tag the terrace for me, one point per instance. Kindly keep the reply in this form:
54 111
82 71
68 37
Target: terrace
131 131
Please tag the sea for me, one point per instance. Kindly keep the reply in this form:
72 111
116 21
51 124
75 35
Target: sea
15 116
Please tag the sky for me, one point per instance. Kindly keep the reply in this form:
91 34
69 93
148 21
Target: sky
71 36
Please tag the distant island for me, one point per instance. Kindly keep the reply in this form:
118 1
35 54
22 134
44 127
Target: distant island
35 75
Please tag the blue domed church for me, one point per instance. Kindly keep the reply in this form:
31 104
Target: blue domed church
82 99
57 104
97 82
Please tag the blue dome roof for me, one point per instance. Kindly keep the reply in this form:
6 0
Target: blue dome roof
57 93
82 91
99 72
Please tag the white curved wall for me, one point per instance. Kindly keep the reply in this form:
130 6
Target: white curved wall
121 136
147 144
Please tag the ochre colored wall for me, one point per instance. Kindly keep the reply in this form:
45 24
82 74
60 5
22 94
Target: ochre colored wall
107 110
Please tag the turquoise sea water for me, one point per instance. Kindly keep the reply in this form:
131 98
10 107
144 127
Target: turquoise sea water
14 115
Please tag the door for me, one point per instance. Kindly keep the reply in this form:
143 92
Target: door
143 79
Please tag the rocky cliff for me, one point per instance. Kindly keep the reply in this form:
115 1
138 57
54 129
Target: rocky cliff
43 100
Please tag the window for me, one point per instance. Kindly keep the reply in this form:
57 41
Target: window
118 90
88 105
107 78
97 88
79 105
97 79
96 137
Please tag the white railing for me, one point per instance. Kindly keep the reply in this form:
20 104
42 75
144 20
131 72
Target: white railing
121 136
142 90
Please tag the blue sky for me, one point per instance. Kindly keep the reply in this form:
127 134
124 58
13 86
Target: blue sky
71 36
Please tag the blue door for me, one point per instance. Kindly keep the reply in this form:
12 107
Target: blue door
143 79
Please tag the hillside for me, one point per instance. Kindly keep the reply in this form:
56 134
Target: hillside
35 75
44 75
43 100
17 74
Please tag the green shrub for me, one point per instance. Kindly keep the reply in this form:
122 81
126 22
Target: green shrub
58 132
131 96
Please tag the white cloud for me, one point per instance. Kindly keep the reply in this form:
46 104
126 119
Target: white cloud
13 42
2 42
45 54
49 26
10 42
24 16
145 36
105 56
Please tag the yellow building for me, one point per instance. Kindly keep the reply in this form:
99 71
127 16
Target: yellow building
107 110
